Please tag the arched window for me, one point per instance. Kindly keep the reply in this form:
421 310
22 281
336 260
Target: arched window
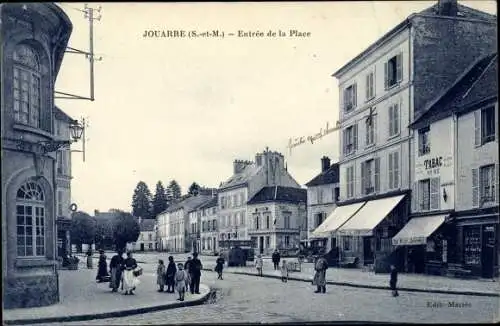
27 87
30 216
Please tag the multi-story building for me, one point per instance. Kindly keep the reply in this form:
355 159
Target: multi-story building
455 192
194 228
322 195
248 178
173 224
278 215
34 37
147 236
396 77
62 125
209 232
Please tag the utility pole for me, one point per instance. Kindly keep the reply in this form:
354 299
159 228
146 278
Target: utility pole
88 14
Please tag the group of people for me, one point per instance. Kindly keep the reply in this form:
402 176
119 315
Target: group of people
181 277
122 271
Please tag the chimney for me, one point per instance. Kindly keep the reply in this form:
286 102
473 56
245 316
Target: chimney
325 163
447 7
96 212
258 159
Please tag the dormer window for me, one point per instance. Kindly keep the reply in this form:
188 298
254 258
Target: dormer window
26 86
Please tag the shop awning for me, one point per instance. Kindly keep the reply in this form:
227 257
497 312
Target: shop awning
368 217
417 230
335 220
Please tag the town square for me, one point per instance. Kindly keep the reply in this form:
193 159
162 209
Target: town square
250 162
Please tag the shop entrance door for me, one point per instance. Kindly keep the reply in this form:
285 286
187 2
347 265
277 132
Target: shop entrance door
488 252
261 245
367 251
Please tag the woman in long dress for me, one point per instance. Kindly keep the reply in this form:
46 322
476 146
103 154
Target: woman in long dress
129 280
170 274
102 267
115 269
219 267
319 280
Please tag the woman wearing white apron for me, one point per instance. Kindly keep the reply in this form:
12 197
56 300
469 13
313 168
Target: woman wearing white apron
130 281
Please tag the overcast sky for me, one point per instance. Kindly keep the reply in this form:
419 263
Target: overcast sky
185 108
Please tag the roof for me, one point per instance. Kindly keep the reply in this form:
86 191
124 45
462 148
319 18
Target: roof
210 203
464 12
61 115
147 225
241 178
188 204
331 175
477 83
204 203
279 194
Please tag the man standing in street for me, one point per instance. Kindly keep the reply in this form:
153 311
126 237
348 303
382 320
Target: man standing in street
195 271
276 259
319 279
115 267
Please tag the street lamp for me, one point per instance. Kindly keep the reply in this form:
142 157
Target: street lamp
75 130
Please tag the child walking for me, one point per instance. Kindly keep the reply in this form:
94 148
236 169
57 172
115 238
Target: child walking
284 272
160 275
394 280
258 264
180 281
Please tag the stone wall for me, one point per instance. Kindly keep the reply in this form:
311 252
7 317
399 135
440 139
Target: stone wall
30 291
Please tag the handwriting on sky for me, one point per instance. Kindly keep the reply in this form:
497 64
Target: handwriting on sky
297 141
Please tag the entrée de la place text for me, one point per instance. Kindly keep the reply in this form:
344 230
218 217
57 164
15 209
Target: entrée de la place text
219 33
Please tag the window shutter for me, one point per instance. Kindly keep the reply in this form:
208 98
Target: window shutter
363 177
355 136
367 132
396 169
367 86
391 171
475 187
435 199
344 141
477 128
377 174
497 191
354 95
374 126
399 67
391 121
386 75
344 104
396 119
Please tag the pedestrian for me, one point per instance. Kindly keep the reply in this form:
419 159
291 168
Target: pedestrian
258 264
171 270
276 259
187 266
284 272
160 275
195 274
89 259
115 269
180 281
129 279
102 268
219 266
394 281
319 279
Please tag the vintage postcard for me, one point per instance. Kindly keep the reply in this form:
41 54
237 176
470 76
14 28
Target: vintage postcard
250 162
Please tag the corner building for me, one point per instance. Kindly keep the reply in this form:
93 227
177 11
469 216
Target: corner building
34 38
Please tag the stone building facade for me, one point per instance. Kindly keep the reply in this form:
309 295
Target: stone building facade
34 38
382 90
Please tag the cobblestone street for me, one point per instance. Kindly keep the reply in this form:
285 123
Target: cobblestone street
244 298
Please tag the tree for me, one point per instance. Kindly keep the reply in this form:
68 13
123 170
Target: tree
160 199
194 189
125 229
173 191
141 201
82 229
104 237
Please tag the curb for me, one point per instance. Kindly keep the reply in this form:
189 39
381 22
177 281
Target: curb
378 287
211 295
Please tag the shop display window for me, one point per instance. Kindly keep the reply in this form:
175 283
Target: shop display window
472 246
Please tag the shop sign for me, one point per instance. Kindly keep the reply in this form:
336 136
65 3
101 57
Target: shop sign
409 241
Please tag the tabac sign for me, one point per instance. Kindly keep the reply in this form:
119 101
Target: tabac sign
297 141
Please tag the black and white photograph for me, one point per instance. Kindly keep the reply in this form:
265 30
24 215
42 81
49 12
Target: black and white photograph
211 163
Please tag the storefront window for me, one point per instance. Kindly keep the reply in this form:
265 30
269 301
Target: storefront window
472 246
